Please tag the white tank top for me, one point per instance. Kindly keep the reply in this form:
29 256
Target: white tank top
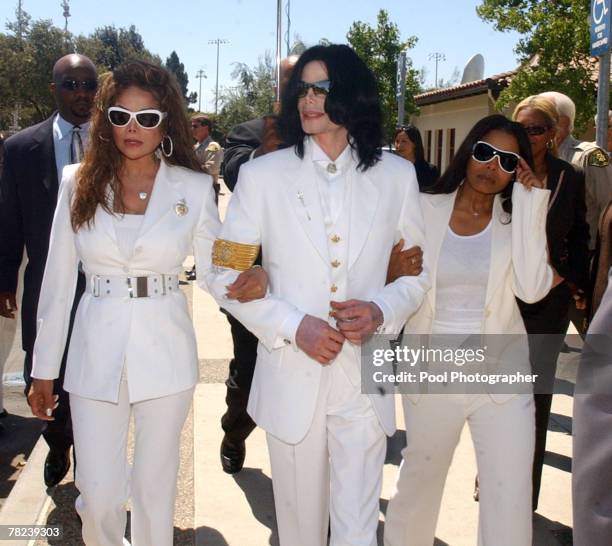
461 283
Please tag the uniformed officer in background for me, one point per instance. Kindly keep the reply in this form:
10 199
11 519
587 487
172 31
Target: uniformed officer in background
208 152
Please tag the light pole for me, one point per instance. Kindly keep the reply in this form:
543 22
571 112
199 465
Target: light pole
218 42
200 74
437 57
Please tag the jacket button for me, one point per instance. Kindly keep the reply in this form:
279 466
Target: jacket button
335 263
335 239
334 288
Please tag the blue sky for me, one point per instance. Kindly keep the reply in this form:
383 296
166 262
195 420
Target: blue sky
447 26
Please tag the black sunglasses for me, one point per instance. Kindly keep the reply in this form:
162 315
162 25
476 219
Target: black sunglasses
73 85
535 130
319 89
483 152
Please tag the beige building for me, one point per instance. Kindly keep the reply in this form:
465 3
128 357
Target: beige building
446 115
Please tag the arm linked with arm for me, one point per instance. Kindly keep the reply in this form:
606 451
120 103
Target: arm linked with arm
401 298
271 319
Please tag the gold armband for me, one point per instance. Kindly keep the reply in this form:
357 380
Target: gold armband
237 256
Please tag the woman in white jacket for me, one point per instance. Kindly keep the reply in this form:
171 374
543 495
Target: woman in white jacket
485 243
130 214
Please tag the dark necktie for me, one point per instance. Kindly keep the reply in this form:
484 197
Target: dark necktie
76 145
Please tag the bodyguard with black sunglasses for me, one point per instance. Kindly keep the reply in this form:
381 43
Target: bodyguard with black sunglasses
34 160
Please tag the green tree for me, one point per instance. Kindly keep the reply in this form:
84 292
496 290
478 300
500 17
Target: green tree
109 46
27 55
553 49
252 97
174 65
380 48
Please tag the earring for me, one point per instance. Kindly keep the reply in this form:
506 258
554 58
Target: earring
162 145
550 144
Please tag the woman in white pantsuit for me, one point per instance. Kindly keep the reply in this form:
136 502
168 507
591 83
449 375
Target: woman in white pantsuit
485 243
130 214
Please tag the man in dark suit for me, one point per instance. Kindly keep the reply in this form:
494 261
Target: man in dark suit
33 162
244 142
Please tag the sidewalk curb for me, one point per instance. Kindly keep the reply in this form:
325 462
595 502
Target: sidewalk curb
28 501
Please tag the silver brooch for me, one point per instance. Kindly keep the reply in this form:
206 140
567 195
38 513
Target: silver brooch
181 208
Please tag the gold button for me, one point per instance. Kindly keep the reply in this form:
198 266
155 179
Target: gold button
335 263
333 288
335 239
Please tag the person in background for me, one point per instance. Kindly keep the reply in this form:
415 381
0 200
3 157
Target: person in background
587 157
485 244
130 213
409 145
208 152
33 162
567 234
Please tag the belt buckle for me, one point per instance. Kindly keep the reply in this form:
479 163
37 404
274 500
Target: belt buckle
95 289
138 290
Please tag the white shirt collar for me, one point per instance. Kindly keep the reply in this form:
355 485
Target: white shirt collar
63 129
320 158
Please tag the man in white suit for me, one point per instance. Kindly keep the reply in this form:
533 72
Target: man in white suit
326 211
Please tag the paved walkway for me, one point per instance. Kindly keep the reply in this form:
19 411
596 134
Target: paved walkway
215 509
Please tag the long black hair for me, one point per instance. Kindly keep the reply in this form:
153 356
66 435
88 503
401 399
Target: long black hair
455 173
414 135
352 102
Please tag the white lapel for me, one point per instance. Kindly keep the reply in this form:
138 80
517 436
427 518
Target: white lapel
501 248
104 219
364 205
163 200
437 210
304 198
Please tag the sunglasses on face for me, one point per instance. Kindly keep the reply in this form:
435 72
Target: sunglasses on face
320 89
535 130
483 152
73 85
147 119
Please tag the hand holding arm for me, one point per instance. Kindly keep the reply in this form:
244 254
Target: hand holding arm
250 285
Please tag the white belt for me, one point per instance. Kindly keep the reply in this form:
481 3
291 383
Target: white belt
149 286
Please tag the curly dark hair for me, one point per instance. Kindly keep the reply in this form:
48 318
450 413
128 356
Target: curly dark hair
352 102
455 173
102 162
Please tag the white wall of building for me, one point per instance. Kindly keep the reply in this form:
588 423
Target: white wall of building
459 114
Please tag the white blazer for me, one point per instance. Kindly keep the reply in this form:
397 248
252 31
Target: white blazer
276 204
152 338
519 263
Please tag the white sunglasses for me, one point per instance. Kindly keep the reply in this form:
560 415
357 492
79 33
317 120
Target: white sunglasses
147 119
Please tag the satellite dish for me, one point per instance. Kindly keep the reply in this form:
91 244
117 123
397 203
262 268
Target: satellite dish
474 69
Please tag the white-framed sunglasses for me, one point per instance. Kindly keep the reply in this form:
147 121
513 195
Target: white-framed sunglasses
483 152
147 119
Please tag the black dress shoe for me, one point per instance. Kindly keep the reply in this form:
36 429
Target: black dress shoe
232 456
57 464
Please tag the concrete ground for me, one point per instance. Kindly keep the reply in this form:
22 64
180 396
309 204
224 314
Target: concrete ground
215 509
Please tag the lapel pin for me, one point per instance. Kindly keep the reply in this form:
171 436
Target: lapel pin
181 208
300 196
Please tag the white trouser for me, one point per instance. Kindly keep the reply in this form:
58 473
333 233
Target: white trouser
106 481
334 472
503 436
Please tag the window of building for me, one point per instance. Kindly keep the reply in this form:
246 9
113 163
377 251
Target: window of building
428 146
439 145
451 144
